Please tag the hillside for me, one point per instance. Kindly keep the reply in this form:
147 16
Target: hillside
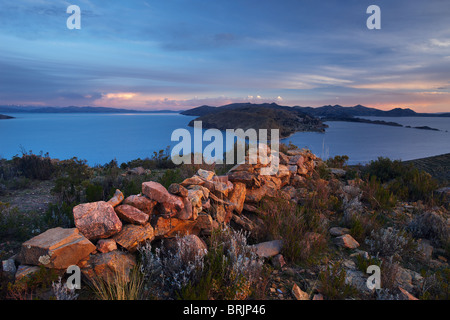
437 166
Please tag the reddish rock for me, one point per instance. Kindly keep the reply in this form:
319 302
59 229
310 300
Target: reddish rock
237 196
205 174
249 179
107 266
106 245
142 203
190 246
24 271
195 180
168 204
96 220
170 227
255 195
269 248
56 248
178 189
346 241
406 295
206 224
187 212
298 293
131 214
116 199
132 236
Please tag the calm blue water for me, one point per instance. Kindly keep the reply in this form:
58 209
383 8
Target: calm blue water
364 142
99 138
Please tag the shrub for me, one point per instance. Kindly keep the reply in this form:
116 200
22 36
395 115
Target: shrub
34 166
337 162
227 271
379 197
431 226
389 242
405 181
298 227
62 292
436 285
333 285
18 225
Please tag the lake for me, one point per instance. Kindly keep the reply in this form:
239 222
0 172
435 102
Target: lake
99 138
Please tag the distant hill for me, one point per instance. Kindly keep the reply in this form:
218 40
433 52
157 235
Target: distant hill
256 116
362 111
73 109
329 111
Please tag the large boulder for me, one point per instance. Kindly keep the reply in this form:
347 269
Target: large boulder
96 220
131 214
142 203
132 236
56 248
108 266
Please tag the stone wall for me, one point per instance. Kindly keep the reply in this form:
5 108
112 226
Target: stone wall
108 234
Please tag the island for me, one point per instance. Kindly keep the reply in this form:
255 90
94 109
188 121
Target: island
3 117
256 116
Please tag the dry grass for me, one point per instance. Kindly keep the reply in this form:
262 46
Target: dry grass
120 286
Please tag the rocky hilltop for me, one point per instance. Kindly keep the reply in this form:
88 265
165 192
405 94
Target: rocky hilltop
307 210
256 116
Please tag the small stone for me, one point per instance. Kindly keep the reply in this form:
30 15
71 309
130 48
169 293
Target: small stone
106 245
178 189
278 261
346 241
205 174
116 199
24 270
269 248
298 293
9 267
338 231
406 295
318 296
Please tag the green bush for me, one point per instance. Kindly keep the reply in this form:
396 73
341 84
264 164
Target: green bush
405 181
34 166
332 283
337 162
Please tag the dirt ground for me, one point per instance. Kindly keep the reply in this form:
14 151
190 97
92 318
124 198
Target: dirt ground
34 198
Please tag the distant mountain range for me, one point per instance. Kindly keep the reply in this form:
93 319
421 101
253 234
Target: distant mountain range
73 109
329 111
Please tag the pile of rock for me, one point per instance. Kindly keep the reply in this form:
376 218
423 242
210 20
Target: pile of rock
107 234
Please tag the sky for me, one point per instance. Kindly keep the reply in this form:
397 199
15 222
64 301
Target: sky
180 54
